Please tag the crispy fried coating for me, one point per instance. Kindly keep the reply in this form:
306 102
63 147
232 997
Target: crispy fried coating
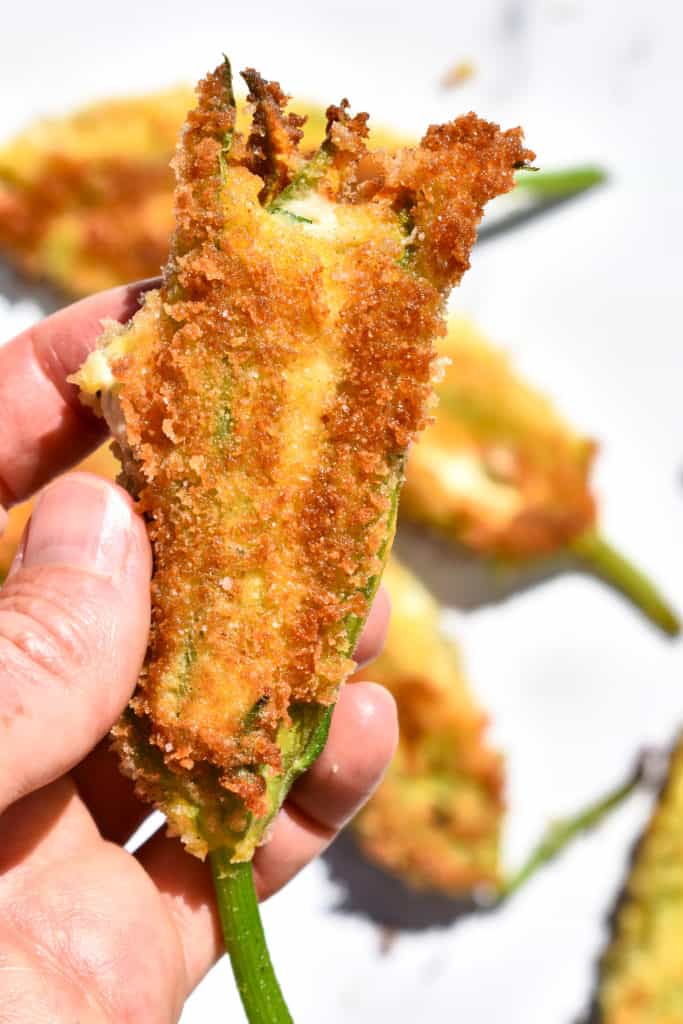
499 471
641 977
86 200
262 404
436 819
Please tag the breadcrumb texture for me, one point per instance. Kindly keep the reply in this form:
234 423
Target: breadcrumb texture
86 200
263 403
642 971
436 819
499 471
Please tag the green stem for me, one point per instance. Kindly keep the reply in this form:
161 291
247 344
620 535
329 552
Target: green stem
604 560
245 941
561 183
561 833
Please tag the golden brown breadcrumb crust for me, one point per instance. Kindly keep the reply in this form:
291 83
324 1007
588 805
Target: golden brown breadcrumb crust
270 515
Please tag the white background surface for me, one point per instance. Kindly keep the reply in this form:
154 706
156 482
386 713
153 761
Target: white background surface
589 303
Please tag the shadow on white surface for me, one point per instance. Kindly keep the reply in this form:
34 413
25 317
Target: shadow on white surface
383 898
16 289
459 578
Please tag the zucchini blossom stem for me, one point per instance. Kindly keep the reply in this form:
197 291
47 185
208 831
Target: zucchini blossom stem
245 941
561 833
560 184
605 561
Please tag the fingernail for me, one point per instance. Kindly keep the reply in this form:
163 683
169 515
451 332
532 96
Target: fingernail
79 522
18 558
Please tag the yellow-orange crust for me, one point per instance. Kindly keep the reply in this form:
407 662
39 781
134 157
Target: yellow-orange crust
87 201
499 471
268 394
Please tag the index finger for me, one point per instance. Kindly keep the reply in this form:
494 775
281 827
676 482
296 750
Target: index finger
44 429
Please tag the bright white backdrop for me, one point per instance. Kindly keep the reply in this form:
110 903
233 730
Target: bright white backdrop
588 302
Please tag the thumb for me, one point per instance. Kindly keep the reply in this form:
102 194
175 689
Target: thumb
74 618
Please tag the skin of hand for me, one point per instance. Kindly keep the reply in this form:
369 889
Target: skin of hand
88 931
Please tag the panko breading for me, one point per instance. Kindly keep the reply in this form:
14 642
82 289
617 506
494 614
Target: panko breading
86 200
436 819
262 404
641 975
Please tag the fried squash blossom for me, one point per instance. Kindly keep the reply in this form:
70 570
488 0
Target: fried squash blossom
262 405
499 471
436 818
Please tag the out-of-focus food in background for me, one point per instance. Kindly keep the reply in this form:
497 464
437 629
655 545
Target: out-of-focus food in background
436 818
458 73
641 974
86 201
536 194
502 474
499 471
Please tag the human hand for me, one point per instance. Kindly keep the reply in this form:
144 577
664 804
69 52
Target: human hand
89 932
